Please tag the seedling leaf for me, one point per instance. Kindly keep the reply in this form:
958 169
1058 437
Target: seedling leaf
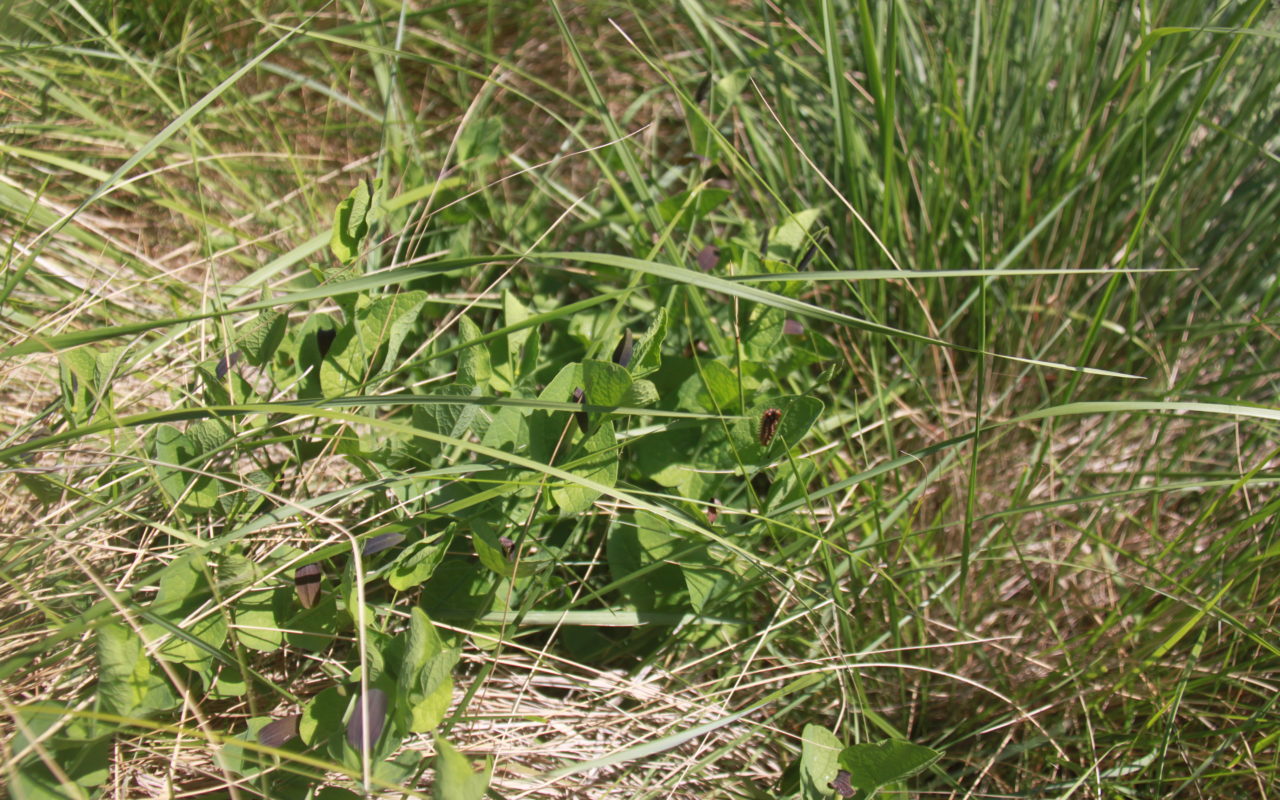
819 762
455 779
872 766
127 684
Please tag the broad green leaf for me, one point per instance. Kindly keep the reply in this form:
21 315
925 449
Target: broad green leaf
309 345
509 430
507 350
229 683
421 644
79 747
700 576
529 351
416 563
351 222
872 766
551 434
246 500
643 549
236 572
728 88
207 435
183 592
240 760
378 643
322 716
713 388
798 415
691 205
488 547
790 238
174 449
303 343
587 328
76 378
127 683
256 625
431 708
259 341
343 245
314 629
459 587
397 771
218 377
793 480
679 458
547 437
648 350
347 366
178 583
473 362
353 357
426 674
490 635
605 382
106 369
211 629
819 762
347 594
89 763
33 780
36 722
85 378
660 545
450 419
221 389
388 320
595 458
763 334
455 779
361 201
480 141
640 394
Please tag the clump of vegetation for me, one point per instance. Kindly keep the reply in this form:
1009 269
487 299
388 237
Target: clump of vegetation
814 401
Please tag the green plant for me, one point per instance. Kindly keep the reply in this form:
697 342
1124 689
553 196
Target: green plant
742 406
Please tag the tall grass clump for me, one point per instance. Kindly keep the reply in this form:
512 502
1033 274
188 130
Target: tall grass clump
653 400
